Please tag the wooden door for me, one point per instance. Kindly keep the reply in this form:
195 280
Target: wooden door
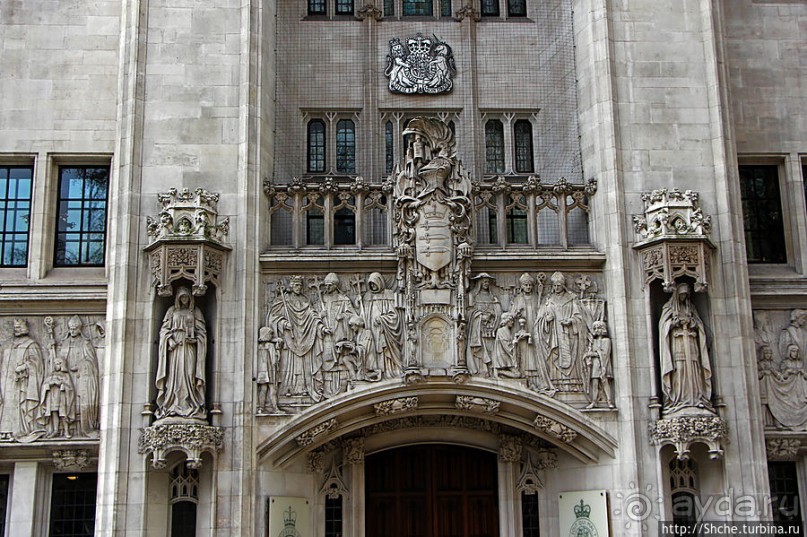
431 491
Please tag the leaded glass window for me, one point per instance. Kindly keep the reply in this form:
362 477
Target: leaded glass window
344 227
389 8
494 146
516 8
783 479
762 214
72 505
523 144
417 8
333 516
184 497
684 491
490 8
389 147
316 146
445 8
344 7
316 7
529 515
345 146
81 226
15 214
516 222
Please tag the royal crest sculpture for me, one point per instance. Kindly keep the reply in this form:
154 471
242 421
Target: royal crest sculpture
422 65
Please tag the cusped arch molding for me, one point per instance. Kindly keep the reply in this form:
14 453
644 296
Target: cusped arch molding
480 405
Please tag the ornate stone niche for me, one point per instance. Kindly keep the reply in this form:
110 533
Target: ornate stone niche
187 240
673 238
49 378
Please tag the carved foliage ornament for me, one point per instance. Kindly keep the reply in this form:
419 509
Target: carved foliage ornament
308 437
781 449
683 431
420 65
396 406
191 439
480 405
554 428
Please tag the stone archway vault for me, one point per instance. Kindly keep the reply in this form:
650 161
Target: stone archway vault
478 404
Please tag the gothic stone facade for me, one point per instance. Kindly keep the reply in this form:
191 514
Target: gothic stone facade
250 247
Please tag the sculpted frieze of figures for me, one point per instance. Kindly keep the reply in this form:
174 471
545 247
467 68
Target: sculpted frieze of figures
781 340
49 377
328 334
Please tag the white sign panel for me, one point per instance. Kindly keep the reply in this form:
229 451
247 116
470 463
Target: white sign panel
288 517
583 514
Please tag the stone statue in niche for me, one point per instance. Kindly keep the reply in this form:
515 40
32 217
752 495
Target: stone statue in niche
293 318
58 400
27 371
383 318
181 361
597 361
269 346
78 354
484 315
686 373
560 331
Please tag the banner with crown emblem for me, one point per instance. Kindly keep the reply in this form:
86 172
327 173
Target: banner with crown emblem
583 514
288 517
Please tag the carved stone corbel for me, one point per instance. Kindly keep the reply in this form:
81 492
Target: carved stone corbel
673 238
369 11
783 449
189 438
353 450
71 459
682 432
187 240
510 448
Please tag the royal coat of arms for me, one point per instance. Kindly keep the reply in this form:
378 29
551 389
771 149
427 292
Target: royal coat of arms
423 65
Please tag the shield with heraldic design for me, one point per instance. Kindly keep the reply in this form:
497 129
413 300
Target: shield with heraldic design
433 236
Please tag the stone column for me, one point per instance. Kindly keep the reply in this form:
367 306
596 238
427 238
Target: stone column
353 458
22 519
509 458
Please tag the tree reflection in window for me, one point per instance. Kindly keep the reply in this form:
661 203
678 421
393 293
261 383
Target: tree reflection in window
81 225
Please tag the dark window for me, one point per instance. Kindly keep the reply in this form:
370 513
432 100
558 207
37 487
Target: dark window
389 147
315 227
784 492
417 7
333 517
490 8
344 227
15 212
72 505
762 214
389 8
529 515
316 146
516 222
183 519
344 7
804 181
345 146
494 146
522 132
445 8
516 8
3 502
316 7
684 489
81 226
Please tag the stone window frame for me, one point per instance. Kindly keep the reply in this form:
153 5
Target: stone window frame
505 10
86 209
331 118
29 161
437 10
508 119
793 206
331 10
185 484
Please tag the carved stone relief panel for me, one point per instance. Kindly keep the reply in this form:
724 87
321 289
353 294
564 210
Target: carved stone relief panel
781 337
421 64
49 377
542 331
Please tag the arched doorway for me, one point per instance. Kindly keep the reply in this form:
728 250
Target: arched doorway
431 490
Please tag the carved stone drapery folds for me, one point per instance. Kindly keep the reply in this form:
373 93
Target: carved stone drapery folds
673 238
49 378
781 340
187 240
